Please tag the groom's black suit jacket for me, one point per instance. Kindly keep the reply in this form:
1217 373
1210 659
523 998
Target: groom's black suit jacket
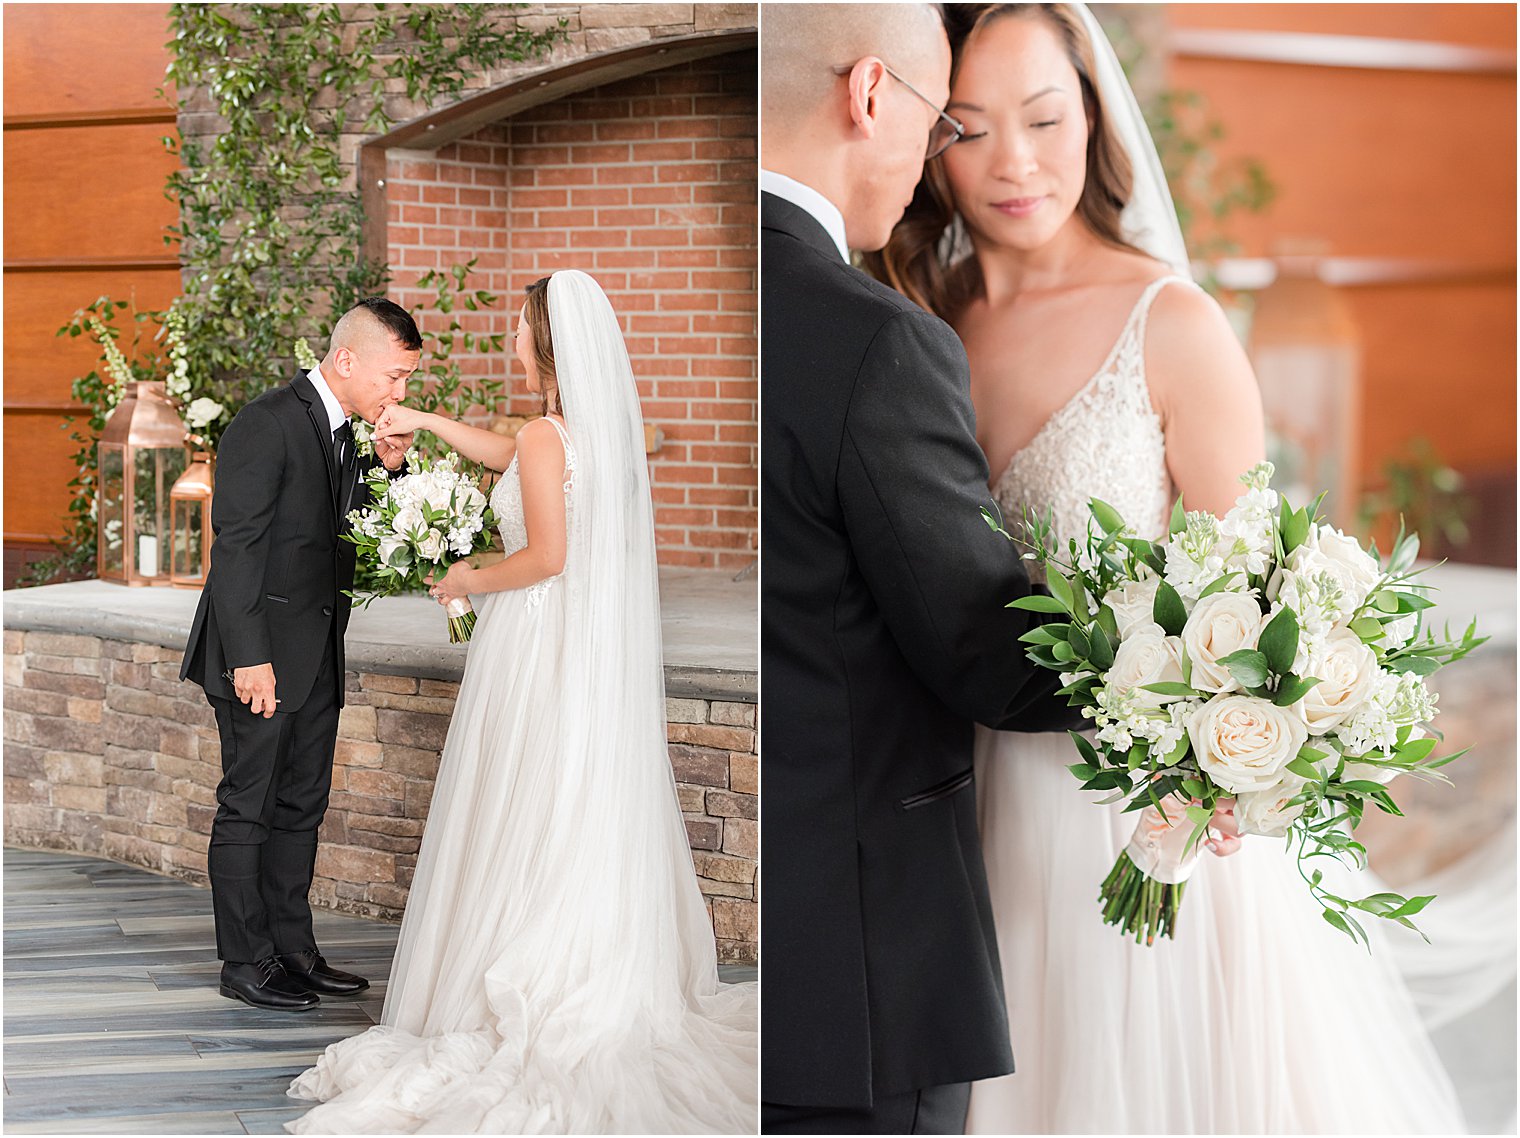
883 637
278 568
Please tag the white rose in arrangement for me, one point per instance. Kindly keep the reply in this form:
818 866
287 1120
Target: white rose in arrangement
1397 633
408 521
1266 812
203 412
1220 624
430 548
393 552
1327 550
1346 669
1133 604
1243 743
1146 657
472 501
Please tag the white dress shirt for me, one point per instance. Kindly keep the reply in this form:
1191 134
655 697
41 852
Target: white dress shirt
335 416
825 212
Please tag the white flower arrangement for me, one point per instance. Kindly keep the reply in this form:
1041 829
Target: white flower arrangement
1260 656
418 523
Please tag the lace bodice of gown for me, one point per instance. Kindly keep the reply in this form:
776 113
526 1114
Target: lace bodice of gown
507 504
1105 442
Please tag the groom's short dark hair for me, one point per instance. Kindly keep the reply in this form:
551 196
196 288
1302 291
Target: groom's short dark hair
397 321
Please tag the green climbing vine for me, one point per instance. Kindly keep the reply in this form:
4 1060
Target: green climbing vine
270 232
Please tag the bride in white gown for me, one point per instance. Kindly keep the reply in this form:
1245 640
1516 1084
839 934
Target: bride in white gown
556 970
1099 369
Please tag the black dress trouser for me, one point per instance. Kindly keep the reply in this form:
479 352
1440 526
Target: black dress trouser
933 1110
276 777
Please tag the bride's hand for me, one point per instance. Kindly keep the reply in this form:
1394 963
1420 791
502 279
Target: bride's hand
1224 825
452 585
399 420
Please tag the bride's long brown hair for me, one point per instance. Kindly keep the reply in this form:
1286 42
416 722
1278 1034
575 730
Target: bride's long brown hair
536 312
911 261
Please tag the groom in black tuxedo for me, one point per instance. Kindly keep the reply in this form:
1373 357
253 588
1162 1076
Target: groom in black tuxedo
267 645
884 631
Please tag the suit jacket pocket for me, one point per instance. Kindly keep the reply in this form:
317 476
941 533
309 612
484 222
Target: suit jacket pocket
939 790
276 597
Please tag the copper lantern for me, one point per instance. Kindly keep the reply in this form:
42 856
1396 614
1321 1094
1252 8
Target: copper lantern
141 452
190 524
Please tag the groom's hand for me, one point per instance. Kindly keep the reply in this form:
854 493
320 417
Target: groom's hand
255 687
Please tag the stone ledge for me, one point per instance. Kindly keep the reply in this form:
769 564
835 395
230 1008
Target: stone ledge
709 622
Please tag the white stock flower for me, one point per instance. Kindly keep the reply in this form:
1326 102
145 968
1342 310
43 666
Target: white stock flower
1266 812
203 411
1347 670
1146 658
461 540
1330 573
1395 701
1243 743
1134 603
1221 623
1193 555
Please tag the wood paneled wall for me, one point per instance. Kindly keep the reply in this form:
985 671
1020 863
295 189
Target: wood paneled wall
85 215
1389 130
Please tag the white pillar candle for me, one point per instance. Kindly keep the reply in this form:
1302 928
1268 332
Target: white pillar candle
147 556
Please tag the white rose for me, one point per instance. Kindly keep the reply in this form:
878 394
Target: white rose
1266 812
1222 623
1134 604
203 411
1397 633
393 552
1243 743
1146 658
408 521
430 548
1326 549
1346 669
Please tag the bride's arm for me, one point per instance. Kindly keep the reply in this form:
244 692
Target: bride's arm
1203 388
474 443
541 468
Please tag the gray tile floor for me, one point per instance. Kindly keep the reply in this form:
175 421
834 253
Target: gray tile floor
113 1024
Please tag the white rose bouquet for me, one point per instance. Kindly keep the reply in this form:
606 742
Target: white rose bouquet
417 524
1262 657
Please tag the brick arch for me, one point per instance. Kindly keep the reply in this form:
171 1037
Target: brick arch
640 166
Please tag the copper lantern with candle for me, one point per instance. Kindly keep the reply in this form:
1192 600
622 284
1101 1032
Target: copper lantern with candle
141 453
190 524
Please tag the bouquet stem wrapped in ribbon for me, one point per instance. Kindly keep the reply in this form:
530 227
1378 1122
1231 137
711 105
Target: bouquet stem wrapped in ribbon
1261 657
416 525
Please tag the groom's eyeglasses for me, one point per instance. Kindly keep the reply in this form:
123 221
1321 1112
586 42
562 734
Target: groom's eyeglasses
945 132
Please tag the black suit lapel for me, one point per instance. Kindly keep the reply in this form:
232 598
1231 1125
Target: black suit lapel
787 217
316 411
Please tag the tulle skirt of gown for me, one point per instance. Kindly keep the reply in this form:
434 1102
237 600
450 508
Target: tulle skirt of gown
555 971
1258 1018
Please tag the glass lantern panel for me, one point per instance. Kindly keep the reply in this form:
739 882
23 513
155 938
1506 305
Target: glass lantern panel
155 469
108 512
189 529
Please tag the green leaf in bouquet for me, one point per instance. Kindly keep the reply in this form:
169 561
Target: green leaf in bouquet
1062 652
1379 904
1178 521
1044 655
1413 602
1295 529
1078 641
1405 550
1417 749
1248 666
1368 628
1279 642
1412 906
1432 764
1187 666
1082 771
1167 610
1170 688
1060 588
1303 768
1137 756
1419 665
1176 754
1347 925
1312 753
1044 634
1101 647
1106 516
1038 602
1218 584
1384 601
1193 787
1292 689
1199 815
1199 829
1107 621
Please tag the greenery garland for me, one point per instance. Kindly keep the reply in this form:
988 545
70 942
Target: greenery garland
271 221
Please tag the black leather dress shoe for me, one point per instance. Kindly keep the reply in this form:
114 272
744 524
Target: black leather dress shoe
310 970
266 985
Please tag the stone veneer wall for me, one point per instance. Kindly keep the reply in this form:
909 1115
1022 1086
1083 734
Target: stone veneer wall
108 752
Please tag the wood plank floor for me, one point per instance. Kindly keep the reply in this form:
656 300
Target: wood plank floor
113 1023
